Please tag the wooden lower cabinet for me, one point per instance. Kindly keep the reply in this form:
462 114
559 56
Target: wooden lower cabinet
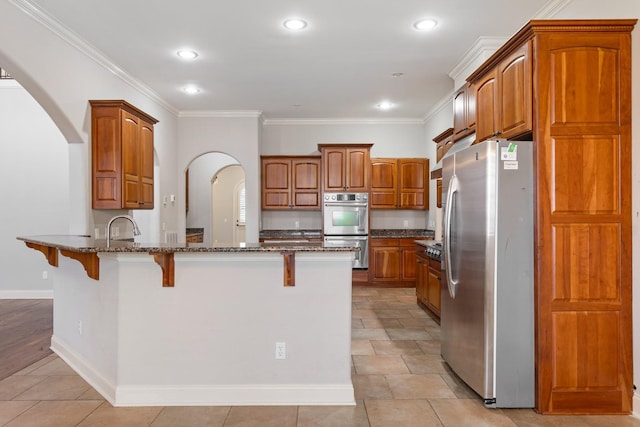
428 283
392 262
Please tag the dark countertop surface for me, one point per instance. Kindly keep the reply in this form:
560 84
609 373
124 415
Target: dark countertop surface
88 244
375 234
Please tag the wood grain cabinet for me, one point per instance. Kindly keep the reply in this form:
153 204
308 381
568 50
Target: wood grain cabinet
464 112
392 261
503 97
290 182
581 74
346 167
428 282
121 156
399 183
444 141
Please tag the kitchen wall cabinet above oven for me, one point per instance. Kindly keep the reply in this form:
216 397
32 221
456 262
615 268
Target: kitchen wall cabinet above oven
464 113
399 183
291 182
121 156
346 167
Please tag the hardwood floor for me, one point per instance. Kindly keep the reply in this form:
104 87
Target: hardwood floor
26 327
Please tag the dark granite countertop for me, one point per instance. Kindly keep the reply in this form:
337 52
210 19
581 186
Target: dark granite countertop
87 244
418 233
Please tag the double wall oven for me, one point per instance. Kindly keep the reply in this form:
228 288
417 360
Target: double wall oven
346 223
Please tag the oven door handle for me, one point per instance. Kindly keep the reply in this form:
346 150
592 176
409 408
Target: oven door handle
345 239
345 205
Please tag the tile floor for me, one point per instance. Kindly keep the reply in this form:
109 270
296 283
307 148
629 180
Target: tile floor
398 376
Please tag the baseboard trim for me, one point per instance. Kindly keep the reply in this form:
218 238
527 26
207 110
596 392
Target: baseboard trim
22 294
636 405
206 395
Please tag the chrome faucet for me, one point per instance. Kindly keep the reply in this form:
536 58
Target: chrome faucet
136 230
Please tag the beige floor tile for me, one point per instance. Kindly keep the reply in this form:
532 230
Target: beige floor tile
264 416
59 413
371 365
364 313
381 323
360 291
371 387
388 313
333 416
400 413
107 415
192 416
63 387
469 412
12 386
425 363
408 334
417 322
429 346
399 347
369 334
459 387
427 386
356 324
529 418
10 410
362 347
419 313
55 367
91 394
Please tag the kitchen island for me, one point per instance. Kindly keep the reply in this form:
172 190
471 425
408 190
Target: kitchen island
188 324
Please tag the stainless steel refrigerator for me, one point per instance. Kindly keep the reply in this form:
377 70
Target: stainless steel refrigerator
487 318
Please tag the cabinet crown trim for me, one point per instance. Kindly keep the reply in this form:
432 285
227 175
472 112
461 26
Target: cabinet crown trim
120 103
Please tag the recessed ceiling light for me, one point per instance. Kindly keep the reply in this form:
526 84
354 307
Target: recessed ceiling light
385 105
191 90
187 54
294 24
425 24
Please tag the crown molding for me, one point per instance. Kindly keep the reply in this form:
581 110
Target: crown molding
551 9
345 121
88 50
445 102
483 48
223 114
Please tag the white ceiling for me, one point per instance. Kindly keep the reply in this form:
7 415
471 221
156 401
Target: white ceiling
339 67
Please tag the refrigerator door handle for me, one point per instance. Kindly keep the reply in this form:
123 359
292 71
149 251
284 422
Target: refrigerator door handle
453 188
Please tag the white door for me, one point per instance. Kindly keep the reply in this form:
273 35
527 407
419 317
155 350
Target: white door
239 213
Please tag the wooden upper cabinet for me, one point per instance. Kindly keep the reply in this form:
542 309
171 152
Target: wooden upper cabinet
464 112
346 167
399 184
290 183
121 156
503 97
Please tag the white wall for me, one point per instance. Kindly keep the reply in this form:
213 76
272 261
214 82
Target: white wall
34 171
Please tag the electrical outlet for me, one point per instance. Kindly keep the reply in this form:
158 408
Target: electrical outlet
96 233
297 224
45 274
79 327
281 350
406 223
115 232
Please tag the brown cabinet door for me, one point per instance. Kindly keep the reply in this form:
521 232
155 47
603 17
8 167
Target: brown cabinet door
358 169
385 264
305 183
433 290
514 93
384 187
409 262
130 160
146 167
439 193
422 277
413 183
486 105
335 169
276 183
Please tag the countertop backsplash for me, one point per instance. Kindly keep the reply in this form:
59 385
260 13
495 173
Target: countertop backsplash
312 220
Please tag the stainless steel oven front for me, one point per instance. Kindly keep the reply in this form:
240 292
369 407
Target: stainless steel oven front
346 214
362 257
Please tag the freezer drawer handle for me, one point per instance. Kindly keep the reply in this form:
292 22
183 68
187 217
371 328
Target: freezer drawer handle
453 188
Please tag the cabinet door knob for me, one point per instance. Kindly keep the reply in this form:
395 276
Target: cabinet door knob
141 203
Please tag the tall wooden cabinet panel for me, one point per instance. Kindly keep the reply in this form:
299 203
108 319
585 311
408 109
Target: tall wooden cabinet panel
399 183
290 183
503 97
346 167
581 73
121 156
392 261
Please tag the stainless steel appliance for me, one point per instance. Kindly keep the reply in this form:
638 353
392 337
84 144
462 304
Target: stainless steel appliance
346 223
487 319
362 257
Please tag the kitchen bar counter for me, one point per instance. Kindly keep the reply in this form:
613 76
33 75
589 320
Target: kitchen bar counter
210 337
